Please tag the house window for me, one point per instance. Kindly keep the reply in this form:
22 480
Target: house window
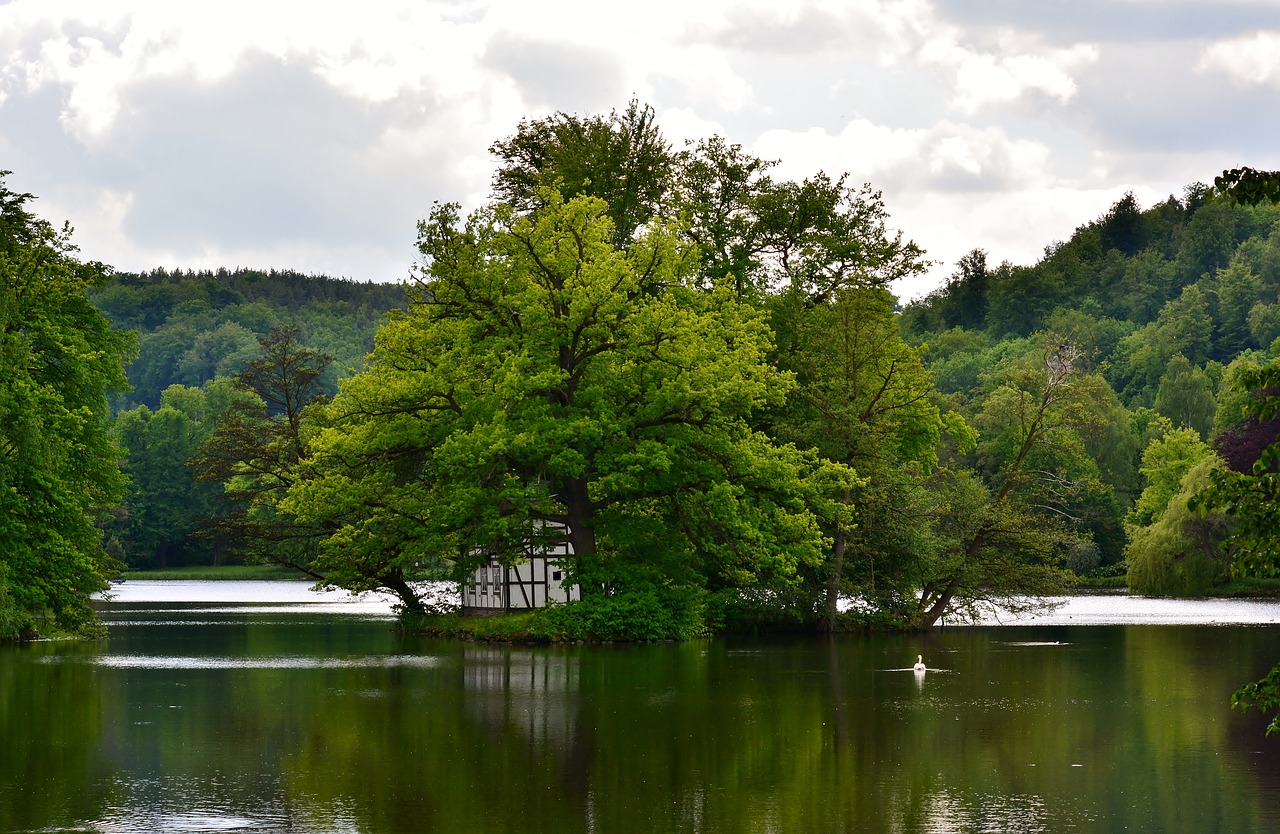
556 576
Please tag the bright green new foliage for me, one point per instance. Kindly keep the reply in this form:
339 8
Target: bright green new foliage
165 507
545 384
58 465
1165 462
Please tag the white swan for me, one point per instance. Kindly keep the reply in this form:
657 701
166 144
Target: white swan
919 667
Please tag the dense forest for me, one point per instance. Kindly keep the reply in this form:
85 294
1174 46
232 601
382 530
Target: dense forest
1175 309
59 465
196 333
193 327
697 376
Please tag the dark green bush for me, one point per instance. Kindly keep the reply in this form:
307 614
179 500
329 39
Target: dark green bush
643 611
13 622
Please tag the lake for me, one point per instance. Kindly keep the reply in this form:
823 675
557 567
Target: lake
262 707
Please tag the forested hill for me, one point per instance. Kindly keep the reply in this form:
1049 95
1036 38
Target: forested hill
1191 276
1174 306
1188 277
195 326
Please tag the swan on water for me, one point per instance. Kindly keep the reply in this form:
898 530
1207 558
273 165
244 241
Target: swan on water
919 667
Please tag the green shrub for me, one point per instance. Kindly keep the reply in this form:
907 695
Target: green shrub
643 611
230 573
14 623
1111 571
755 610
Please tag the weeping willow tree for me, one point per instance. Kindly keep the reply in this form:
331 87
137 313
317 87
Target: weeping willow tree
1182 553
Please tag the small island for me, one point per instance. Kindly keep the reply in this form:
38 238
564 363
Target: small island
687 392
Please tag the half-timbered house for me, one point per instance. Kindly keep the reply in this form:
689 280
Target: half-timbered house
528 584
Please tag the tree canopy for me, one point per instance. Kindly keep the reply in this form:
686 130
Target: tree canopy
621 159
546 384
255 449
695 372
195 327
59 466
718 399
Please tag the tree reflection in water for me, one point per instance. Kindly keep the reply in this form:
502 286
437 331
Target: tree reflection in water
303 723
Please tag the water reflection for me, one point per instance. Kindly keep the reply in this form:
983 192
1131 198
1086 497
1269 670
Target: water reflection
167 662
298 723
1124 609
532 693
210 819
946 813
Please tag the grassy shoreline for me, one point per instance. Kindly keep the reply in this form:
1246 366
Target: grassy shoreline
237 573
1249 588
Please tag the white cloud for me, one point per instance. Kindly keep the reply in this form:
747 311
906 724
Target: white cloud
951 187
887 30
374 53
947 156
282 133
386 49
1248 60
105 216
990 78
682 124
910 33
1014 225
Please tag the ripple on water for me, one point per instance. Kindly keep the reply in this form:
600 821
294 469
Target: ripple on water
1126 609
200 820
269 662
948 812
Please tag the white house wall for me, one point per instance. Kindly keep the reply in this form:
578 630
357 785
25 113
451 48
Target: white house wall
521 587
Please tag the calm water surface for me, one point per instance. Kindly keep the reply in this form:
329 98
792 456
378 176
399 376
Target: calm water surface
284 712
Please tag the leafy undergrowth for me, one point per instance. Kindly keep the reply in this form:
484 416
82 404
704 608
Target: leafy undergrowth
644 614
1111 576
1236 588
13 622
1101 582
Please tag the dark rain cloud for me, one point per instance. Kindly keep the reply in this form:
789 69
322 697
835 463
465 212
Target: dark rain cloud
269 154
1146 98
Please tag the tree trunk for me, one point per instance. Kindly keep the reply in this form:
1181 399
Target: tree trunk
578 521
395 582
832 602
939 607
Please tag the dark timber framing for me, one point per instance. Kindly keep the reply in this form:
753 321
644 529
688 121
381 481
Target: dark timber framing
529 584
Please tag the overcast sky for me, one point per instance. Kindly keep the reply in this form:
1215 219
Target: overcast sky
313 136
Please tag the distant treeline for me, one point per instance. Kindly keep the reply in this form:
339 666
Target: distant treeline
1190 276
194 326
